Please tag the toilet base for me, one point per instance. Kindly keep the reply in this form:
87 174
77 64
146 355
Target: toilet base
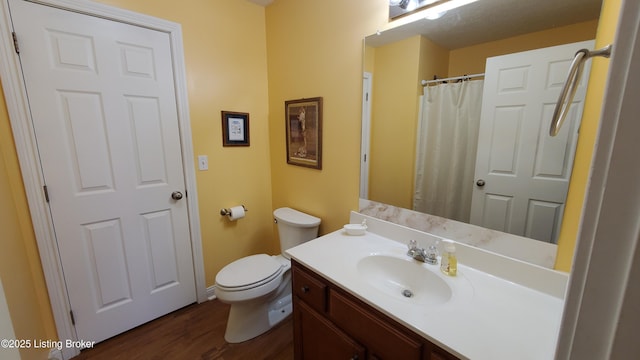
250 319
247 321
283 308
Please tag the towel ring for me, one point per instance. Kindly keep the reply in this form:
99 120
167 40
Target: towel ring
571 85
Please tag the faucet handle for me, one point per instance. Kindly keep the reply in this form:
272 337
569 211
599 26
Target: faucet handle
412 245
431 256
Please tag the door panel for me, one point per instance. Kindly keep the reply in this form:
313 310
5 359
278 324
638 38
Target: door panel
84 138
525 172
103 106
108 263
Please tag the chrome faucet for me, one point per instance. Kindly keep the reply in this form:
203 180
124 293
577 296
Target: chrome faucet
429 256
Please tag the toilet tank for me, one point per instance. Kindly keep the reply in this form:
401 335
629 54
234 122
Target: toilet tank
295 227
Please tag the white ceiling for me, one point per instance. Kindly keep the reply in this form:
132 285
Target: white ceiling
489 20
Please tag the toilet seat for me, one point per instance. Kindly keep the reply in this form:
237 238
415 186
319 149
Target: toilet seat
248 273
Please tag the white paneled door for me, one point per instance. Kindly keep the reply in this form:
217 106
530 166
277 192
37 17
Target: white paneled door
522 174
103 107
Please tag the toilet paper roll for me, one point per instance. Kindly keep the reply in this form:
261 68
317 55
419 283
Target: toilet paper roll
236 212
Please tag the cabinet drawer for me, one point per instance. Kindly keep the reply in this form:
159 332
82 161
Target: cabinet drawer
383 340
309 289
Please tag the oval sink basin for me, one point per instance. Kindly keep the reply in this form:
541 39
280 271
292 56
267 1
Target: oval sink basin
404 279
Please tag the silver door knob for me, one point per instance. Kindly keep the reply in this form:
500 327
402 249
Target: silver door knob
480 183
176 195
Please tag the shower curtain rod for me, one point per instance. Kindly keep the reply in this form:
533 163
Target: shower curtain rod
427 82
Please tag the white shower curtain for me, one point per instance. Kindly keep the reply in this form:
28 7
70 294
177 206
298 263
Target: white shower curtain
446 149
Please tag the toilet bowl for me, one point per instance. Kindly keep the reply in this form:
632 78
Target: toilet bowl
258 287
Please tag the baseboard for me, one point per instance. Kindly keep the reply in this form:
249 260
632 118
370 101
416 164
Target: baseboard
211 292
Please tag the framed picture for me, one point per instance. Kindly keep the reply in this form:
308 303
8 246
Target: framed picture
304 132
235 129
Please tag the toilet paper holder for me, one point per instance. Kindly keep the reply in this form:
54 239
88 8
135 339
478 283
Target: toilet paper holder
226 212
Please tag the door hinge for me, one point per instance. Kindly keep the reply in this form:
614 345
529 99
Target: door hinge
46 193
73 319
15 42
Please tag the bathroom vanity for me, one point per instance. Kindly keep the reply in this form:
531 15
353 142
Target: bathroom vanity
332 324
362 297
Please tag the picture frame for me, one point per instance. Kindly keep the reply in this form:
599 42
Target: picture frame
303 119
235 128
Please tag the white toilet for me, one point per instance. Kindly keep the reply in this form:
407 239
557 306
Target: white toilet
258 287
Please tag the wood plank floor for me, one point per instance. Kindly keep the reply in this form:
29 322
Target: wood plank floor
194 332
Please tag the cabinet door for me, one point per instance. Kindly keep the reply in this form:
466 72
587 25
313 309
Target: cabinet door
382 339
318 339
433 352
440 355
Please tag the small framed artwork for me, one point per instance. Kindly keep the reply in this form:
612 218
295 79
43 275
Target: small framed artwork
304 132
235 128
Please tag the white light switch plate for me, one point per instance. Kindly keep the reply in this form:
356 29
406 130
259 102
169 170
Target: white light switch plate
203 162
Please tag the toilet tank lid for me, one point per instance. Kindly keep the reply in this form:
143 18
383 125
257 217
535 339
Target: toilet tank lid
295 218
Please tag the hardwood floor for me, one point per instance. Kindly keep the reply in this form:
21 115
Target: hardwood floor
194 332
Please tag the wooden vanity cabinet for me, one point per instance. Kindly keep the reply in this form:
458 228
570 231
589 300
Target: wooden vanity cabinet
329 323
322 339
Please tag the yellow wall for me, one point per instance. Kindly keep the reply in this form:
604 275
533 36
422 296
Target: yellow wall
471 59
20 268
588 132
393 122
369 60
399 67
315 49
434 59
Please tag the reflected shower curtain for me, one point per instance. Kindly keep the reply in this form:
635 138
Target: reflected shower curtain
446 149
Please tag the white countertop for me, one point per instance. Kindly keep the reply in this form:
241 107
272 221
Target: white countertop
487 317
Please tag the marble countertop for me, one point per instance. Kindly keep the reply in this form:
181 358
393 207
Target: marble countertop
489 315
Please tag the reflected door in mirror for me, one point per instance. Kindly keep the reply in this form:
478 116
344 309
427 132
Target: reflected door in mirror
524 172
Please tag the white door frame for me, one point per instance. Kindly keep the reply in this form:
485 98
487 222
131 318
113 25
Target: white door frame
17 106
366 135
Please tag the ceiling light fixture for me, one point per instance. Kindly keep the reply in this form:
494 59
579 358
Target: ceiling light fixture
403 4
438 11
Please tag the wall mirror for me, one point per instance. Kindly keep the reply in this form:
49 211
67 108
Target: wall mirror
455 44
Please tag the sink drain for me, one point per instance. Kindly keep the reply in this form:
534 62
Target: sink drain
407 293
